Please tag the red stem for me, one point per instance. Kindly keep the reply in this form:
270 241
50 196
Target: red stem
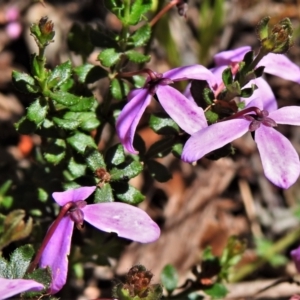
163 11
48 236
151 73
243 112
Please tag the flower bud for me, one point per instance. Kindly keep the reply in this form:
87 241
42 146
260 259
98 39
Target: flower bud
43 32
279 40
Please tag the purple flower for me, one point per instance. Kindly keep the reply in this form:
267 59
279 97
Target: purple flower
11 287
127 221
296 258
279 158
275 64
185 113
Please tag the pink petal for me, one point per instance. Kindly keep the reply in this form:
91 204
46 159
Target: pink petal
213 137
129 118
184 112
281 66
73 195
227 57
296 258
279 158
126 220
11 287
218 73
12 14
266 94
191 72
289 115
14 30
56 254
254 101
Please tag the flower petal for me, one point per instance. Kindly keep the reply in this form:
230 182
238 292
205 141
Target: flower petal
191 72
289 115
296 258
213 137
11 287
126 220
217 71
55 254
184 112
279 158
281 66
227 57
266 94
129 118
73 195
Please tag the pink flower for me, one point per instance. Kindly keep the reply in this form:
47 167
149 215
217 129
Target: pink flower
279 158
11 287
126 220
185 113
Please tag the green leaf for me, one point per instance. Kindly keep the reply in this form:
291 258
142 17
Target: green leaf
86 120
24 83
141 36
109 57
169 278
20 260
84 104
163 124
217 291
119 88
177 149
104 194
139 81
158 171
160 148
5 271
65 98
115 155
127 193
80 141
68 124
262 28
138 9
89 124
79 40
37 111
59 75
76 169
126 170
37 67
42 195
227 76
248 92
42 276
137 57
88 73
94 159
55 151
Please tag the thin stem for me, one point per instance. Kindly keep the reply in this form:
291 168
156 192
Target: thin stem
151 73
243 112
163 11
277 247
48 236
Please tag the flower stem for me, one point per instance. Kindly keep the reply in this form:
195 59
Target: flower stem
48 236
163 11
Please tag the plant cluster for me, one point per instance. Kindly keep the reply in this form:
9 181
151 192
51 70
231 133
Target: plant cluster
218 106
